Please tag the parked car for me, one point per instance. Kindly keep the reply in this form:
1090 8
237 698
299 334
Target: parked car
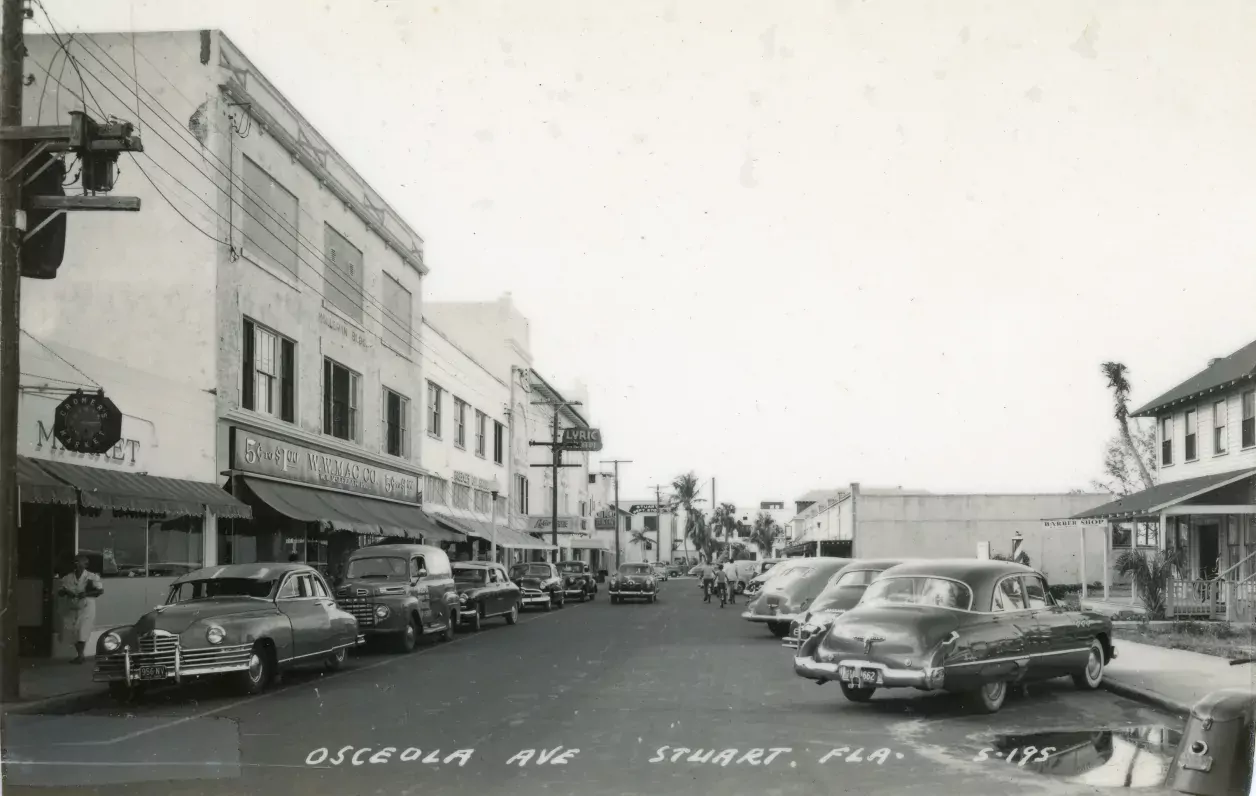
485 591
660 571
842 593
770 570
786 596
399 592
634 582
744 572
243 621
540 583
970 626
578 580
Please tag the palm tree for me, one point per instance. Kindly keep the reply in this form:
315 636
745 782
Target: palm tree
725 520
764 533
642 538
1150 575
686 488
696 531
1116 373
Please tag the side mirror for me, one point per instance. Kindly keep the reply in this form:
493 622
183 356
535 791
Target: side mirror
421 574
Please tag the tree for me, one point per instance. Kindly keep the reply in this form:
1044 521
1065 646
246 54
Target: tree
642 538
1118 382
1150 575
686 488
764 533
725 520
1130 456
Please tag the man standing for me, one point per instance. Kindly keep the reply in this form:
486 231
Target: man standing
730 572
80 589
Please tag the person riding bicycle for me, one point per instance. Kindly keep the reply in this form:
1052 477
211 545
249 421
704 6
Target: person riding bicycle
707 573
721 582
730 569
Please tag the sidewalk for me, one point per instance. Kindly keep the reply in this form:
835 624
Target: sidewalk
54 686
1172 679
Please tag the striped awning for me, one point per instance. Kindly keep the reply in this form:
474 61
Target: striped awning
36 486
145 494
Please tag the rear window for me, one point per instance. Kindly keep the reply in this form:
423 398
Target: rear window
859 577
919 591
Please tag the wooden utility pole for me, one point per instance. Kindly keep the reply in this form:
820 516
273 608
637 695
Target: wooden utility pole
556 448
618 549
13 53
658 520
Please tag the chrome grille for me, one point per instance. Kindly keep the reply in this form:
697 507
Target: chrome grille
362 610
215 657
152 649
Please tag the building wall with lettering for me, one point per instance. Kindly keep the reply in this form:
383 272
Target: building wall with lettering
132 307
291 288
461 377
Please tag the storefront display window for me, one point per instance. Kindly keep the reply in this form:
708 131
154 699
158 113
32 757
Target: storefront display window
121 546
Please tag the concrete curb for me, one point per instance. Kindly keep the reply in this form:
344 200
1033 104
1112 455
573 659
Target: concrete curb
1147 696
63 703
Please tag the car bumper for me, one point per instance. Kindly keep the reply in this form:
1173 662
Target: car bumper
536 599
178 664
574 591
633 593
930 679
770 618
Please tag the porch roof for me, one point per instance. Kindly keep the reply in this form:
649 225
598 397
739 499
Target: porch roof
1161 496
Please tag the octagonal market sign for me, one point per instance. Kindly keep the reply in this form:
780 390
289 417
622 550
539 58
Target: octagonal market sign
87 423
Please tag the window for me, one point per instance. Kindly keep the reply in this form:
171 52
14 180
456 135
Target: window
340 401
1009 595
270 367
499 442
342 274
396 416
521 493
460 423
434 393
1036 592
483 501
290 590
582 506
1191 429
1166 440
1146 535
270 219
481 433
320 588
1249 418
462 496
137 547
435 491
592 478
396 320
1220 416
651 522
416 566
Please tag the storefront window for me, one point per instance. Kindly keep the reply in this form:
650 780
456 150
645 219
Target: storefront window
136 547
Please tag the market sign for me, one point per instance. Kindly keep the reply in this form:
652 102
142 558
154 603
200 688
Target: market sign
263 455
545 523
582 439
604 521
466 479
651 508
87 423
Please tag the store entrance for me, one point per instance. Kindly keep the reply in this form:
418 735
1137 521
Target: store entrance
45 552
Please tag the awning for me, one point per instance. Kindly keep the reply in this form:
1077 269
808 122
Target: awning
145 494
588 544
506 537
36 486
365 514
1152 501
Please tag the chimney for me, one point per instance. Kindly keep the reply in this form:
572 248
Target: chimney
1214 361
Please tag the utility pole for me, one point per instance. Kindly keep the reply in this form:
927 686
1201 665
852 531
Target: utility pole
658 520
12 44
617 462
556 448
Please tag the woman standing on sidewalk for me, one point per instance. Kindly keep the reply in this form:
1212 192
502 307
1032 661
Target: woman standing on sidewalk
80 589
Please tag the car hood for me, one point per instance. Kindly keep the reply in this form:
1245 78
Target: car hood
530 582
180 616
898 633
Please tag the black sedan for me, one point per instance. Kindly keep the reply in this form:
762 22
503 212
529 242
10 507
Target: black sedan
540 583
485 591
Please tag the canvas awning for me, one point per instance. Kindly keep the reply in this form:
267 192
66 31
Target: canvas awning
145 494
588 544
1150 502
506 537
358 513
36 486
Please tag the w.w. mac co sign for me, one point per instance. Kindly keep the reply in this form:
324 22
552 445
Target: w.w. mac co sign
582 439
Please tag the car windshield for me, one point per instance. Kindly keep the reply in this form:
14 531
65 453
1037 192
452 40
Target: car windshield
220 587
530 571
636 569
858 577
919 591
470 574
377 567
793 575
571 567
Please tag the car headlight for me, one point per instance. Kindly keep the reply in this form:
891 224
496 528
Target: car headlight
112 642
463 597
381 611
215 634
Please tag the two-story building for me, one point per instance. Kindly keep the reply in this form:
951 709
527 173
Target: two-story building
1203 506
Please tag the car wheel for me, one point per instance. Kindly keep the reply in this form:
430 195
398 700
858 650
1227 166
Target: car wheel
513 616
1089 679
549 606
337 659
562 600
593 593
477 620
255 679
989 698
409 638
614 600
779 629
857 694
451 624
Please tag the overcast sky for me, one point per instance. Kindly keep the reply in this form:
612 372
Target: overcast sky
798 245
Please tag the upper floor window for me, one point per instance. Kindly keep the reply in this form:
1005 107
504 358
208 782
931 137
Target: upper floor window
1166 440
481 433
521 493
270 367
270 219
434 394
1191 435
499 442
396 417
1220 427
483 501
462 496
460 423
435 490
341 399
342 274
398 310
1249 418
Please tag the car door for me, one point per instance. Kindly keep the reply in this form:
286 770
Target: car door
509 590
309 616
343 631
1063 648
421 591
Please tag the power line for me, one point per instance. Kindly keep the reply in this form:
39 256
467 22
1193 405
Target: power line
44 346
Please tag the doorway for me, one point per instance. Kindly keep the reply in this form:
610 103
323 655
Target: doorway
1209 545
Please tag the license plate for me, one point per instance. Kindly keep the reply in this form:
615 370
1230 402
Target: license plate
869 676
151 673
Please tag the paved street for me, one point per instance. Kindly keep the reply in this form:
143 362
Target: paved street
614 682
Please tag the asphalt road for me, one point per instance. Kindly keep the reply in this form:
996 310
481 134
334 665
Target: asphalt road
594 690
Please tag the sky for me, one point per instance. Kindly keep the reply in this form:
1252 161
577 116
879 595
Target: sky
798 245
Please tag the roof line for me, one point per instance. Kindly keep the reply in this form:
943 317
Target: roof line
559 396
1204 491
1154 408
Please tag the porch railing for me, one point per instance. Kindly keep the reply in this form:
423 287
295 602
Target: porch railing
1232 600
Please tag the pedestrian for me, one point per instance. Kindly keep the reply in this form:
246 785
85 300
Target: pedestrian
721 582
80 589
707 573
731 572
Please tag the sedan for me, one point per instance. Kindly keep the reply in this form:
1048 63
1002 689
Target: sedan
541 584
842 594
634 582
969 626
787 596
484 591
